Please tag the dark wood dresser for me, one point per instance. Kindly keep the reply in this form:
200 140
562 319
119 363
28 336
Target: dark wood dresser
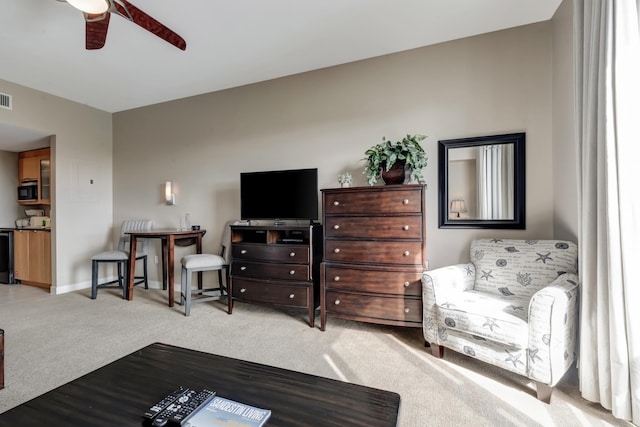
374 254
277 265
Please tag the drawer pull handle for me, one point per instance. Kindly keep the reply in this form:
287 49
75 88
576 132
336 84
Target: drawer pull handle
335 227
292 254
336 250
337 302
405 228
405 253
244 251
292 272
292 296
336 279
405 202
406 284
243 268
336 203
406 310
243 290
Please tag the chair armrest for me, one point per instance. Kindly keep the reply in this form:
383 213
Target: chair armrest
446 280
437 287
552 329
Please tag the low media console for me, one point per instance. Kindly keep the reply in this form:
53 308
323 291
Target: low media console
277 266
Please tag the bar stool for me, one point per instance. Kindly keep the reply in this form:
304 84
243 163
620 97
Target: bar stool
121 258
198 263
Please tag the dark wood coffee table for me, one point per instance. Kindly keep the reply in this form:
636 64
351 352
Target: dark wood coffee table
119 393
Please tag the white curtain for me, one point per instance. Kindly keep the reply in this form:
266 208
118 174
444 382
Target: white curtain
495 181
608 136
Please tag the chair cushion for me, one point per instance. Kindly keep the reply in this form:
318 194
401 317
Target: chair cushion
111 256
520 268
487 316
202 261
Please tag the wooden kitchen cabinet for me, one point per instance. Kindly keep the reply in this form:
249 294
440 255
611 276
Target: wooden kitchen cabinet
32 257
35 165
28 168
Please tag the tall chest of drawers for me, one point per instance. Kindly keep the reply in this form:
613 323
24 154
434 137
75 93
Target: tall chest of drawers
374 254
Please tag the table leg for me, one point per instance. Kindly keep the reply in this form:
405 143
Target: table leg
170 248
131 270
199 251
165 264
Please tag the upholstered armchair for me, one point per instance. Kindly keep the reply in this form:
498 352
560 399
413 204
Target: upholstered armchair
514 306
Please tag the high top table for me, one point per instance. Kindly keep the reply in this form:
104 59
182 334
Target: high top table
120 392
170 239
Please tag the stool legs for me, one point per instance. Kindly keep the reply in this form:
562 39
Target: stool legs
94 279
186 291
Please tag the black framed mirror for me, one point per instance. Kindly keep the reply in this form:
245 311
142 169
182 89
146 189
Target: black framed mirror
481 182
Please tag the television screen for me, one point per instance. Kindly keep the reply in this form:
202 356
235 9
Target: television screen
284 194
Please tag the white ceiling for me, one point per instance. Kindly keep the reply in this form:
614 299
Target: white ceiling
229 42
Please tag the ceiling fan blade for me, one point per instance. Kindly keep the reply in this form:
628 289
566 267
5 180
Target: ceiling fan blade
148 23
96 30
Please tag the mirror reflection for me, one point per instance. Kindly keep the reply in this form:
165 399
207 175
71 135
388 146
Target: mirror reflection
482 182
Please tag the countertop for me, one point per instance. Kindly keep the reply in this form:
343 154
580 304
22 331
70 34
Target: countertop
25 228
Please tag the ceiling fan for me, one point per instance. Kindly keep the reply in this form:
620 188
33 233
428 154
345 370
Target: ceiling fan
98 12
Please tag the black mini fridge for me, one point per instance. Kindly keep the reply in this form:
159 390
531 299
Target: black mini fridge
6 257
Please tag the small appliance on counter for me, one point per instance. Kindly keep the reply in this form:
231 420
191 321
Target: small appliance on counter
23 222
35 219
39 222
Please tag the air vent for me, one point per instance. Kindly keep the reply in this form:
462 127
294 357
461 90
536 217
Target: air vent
5 101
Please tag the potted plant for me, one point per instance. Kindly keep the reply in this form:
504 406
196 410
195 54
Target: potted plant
387 157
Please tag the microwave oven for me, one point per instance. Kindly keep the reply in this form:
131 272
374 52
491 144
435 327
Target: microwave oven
28 191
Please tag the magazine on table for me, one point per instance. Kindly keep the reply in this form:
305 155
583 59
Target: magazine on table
226 412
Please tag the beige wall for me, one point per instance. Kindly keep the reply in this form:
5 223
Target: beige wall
81 141
9 208
490 84
565 196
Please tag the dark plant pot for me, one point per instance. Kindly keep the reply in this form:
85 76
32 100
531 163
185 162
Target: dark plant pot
395 175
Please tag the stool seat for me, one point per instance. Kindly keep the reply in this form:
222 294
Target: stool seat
111 256
203 261
198 263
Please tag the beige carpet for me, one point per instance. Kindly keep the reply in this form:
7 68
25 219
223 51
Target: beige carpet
50 340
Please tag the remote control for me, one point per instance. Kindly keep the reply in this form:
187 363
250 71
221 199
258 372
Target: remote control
173 408
153 411
191 407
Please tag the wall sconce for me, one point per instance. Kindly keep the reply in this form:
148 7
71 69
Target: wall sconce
457 207
169 197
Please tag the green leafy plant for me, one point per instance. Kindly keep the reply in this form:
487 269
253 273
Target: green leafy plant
387 153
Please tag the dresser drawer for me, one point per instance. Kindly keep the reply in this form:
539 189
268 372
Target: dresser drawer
372 252
376 307
275 252
271 292
381 227
389 282
269 270
404 200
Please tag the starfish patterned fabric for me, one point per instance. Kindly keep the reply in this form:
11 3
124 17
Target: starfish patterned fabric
514 305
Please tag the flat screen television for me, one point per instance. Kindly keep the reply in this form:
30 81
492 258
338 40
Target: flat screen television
279 195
